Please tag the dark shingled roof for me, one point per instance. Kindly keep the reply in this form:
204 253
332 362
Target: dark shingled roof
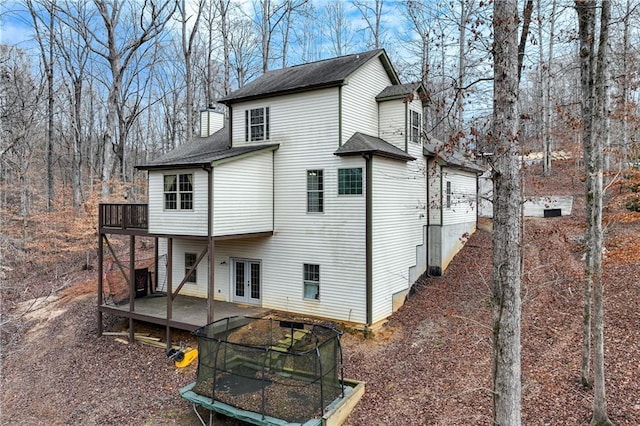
201 152
314 75
360 143
436 149
398 91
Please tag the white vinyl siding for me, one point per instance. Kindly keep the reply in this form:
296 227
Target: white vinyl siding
335 239
292 117
178 222
243 195
359 106
399 217
182 246
393 128
462 208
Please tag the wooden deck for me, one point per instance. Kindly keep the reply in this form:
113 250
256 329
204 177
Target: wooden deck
188 313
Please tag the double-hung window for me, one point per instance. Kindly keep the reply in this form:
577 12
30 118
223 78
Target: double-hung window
256 124
448 194
416 119
315 191
311 279
189 261
178 191
350 181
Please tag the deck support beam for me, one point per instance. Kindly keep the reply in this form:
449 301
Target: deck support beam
132 284
100 282
169 288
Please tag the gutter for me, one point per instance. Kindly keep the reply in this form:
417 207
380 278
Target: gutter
369 239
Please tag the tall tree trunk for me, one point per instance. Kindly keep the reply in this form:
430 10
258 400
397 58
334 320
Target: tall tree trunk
224 32
46 55
462 42
586 22
624 149
593 82
546 136
600 416
507 219
50 104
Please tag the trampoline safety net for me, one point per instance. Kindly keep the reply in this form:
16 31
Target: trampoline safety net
288 370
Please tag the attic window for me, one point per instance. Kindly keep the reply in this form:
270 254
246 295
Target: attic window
178 192
256 124
416 119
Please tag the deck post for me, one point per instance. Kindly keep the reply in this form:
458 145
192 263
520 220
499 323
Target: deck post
211 246
100 282
132 284
211 292
169 288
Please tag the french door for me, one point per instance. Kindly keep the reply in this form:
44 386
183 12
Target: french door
246 281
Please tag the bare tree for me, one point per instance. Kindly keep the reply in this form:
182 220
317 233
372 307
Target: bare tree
119 48
73 56
189 32
507 249
338 28
223 10
372 13
593 91
19 115
244 51
43 19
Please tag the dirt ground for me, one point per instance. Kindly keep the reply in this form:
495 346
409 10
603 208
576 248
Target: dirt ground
430 364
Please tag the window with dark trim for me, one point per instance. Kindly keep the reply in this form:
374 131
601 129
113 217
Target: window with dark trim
350 181
416 118
448 195
311 279
315 191
256 124
178 192
189 261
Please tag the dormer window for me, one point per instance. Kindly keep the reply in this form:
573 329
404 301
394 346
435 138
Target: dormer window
256 124
416 125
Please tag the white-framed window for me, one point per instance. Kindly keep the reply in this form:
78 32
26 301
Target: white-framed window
448 195
178 191
311 280
189 261
416 126
315 191
256 124
350 181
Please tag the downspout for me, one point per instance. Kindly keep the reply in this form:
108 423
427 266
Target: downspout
477 199
229 121
369 239
428 213
442 198
339 116
210 244
406 127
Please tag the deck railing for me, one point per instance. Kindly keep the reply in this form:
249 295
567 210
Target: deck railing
123 216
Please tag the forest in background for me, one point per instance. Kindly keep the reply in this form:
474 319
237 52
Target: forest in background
99 87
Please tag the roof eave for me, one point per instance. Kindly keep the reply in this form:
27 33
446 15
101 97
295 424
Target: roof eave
232 100
174 166
376 152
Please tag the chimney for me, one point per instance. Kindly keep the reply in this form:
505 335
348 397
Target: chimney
211 120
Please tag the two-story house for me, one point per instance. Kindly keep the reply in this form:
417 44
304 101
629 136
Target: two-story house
314 195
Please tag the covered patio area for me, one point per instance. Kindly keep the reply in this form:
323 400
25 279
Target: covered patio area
187 313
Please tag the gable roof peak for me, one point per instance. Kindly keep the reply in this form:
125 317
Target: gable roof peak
324 73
